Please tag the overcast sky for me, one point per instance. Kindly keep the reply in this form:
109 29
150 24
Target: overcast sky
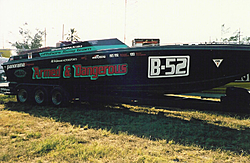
173 21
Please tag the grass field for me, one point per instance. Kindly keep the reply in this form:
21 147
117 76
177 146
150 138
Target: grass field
122 133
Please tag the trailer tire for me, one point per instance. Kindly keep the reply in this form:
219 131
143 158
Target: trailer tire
23 95
59 97
41 96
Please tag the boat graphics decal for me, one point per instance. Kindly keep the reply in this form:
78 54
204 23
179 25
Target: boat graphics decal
46 73
114 55
79 71
29 55
20 73
18 65
80 50
63 60
67 71
102 70
131 54
168 66
217 62
84 57
245 78
66 51
99 57
139 54
124 55
29 64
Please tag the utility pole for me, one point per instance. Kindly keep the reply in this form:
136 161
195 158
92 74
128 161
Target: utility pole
3 41
45 34
239 36
125 21
63 33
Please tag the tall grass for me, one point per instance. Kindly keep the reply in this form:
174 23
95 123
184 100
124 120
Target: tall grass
122 133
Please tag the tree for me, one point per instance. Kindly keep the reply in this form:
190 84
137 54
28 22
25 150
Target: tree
72 36
246 39
235 38
29 41
224 30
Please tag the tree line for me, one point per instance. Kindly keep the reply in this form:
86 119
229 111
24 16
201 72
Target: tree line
235 38
30 41
33 41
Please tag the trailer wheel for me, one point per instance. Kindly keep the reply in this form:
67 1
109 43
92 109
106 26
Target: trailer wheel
59 97
41 96
23 95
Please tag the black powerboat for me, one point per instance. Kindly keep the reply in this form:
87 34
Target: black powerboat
111 67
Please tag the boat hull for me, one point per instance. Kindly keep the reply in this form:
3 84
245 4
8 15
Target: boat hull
167 69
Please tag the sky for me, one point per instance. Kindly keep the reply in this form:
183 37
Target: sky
172 21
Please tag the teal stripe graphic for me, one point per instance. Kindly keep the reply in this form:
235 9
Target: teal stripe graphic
78 50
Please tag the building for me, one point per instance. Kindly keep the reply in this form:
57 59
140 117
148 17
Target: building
7 52
145 42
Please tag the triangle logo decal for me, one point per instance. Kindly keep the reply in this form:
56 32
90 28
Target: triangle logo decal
217 62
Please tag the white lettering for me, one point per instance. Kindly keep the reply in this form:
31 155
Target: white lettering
16 65
155 67
171 65
168 66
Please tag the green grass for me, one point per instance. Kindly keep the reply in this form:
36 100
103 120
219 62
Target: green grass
122 133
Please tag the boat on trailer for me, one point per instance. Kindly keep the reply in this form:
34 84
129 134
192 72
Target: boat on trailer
109 67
